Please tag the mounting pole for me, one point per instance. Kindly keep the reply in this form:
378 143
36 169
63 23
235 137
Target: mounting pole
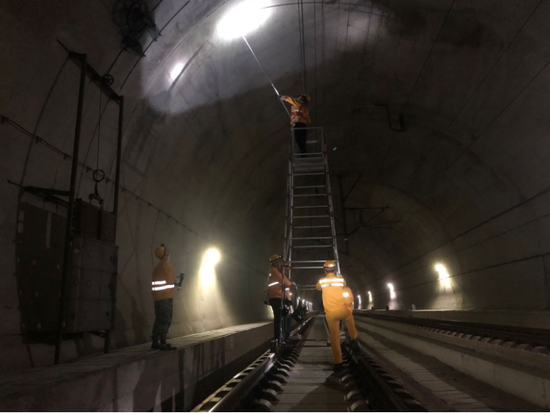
61 323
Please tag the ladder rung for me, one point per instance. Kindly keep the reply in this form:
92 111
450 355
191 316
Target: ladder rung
313 158
304 261
311 216
310 206
307 195
311 226
307 154
319 267
311 246
311 238
310 186
312 141
306 174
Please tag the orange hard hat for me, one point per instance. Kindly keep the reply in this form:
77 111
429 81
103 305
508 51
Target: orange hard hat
160 252
330 265
274 258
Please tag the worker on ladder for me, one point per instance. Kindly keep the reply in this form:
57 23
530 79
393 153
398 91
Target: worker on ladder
337 309
277 283
299 119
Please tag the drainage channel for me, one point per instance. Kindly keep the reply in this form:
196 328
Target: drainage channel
300 377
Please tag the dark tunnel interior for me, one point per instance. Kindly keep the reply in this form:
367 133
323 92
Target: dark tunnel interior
435 116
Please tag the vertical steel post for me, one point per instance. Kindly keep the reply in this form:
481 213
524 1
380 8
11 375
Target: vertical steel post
118 156
63 299
107 342
343 206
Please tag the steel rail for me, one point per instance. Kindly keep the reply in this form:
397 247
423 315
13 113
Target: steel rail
521 335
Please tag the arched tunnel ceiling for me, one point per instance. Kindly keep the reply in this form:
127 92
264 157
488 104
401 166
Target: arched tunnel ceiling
465 76
463 175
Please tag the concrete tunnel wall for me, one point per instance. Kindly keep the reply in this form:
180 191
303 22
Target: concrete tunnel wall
466 176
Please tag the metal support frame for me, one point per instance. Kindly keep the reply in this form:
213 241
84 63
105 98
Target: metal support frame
70 210
316 196
86 71
343 199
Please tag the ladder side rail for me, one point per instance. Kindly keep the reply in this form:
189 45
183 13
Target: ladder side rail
291 204
331 206
287 205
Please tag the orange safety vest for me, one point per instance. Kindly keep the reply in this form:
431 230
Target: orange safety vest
299 113
332 287
274 288
164 281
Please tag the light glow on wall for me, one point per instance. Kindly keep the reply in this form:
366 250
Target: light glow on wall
244 18
444 279
370 297
358 302
176 71
208 267
392 291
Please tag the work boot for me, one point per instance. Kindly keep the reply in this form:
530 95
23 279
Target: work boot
355 347
164 346
155 344
339 367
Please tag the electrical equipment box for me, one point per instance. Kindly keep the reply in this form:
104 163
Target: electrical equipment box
93 273
92 281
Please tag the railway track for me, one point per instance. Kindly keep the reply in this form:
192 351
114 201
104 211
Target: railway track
300 377
528 339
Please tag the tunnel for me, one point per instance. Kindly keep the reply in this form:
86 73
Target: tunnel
130 124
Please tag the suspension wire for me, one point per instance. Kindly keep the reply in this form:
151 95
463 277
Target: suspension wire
265 74
315 52
98 133
323 50
304 68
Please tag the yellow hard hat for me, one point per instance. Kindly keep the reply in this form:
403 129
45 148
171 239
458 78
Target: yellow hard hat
330 266
274 258
160 252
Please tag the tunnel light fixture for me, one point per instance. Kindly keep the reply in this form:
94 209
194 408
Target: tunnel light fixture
358 302
244 18
212 256
392 291
176 71
444 277
370 296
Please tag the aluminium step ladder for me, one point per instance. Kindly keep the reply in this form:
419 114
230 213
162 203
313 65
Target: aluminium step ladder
310 231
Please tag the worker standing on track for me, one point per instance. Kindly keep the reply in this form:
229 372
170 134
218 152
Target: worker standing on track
276 283
163 286
299 118
337 309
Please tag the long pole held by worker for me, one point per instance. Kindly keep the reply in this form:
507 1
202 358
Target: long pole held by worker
266 76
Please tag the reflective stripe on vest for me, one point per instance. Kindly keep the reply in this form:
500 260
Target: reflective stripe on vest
275 283
297 112
158 282
335 284
163 287
331 282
